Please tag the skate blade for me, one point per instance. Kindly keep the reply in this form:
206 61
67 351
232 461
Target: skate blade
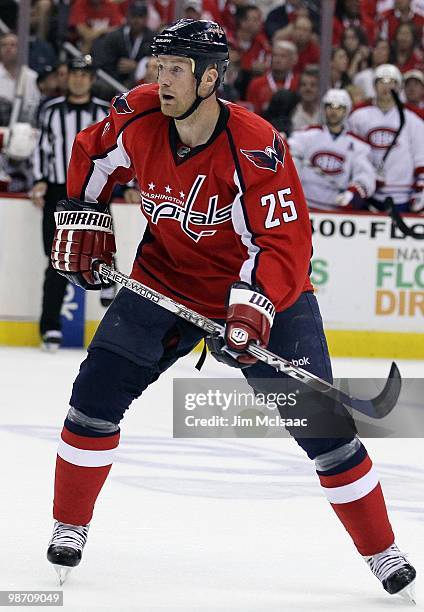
408 593
62 572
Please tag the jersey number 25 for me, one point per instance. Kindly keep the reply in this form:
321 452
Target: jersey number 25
269 200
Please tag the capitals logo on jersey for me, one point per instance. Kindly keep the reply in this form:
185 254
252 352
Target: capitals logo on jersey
186 215
121 105
269 158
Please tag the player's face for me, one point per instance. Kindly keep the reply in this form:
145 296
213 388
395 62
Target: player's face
177 85
334 115
384 87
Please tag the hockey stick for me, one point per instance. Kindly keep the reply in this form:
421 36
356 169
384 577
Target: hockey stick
398 220
376 408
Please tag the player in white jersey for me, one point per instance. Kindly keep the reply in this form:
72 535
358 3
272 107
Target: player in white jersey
397 156
334 166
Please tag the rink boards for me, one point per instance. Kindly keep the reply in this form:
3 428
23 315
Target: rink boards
369 280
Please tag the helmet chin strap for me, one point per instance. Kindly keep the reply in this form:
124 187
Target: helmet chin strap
198 99
194 106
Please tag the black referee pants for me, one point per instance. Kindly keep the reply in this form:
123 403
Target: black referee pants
54 286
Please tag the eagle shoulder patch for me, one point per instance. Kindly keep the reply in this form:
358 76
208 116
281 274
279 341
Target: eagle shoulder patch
270 157
121 105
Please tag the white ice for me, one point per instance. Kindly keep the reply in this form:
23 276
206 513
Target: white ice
192 525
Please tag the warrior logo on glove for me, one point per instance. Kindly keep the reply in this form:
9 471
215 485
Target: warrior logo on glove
83 238
239 336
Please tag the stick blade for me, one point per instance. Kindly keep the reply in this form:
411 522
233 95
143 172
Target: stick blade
381 405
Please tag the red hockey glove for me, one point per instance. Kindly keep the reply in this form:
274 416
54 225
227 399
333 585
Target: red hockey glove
83 236
250 316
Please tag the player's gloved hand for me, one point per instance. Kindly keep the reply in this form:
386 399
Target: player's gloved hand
250 316
351 197
83 236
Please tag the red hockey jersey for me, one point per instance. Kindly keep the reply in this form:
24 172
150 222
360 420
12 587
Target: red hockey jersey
231 209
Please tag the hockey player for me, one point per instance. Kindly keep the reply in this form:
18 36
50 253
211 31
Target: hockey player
226 216
333 165
397 156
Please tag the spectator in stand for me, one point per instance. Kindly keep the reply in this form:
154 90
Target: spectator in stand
280 76
401 13
280 110
228 15
8 76
414 91
355 44
47 82
93 18
350 13
283 14
254 48
406 55
147 70
120 51
303 37
193 9
229 89
338 68
374 9
41 11
47 85
365 79
307 110
41 52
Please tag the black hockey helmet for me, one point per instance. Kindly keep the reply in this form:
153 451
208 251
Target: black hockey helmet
202 41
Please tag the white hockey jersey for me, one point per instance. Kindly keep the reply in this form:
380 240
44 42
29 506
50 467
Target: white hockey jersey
405 162
329 165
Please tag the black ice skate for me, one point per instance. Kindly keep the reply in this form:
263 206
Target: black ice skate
65 547
51 341
394 572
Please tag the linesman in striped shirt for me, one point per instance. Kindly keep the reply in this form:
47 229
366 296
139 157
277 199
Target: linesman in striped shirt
61 120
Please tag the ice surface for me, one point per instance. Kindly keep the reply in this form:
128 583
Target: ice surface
192 525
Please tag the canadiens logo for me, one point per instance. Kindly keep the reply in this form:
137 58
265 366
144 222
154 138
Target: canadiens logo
381 138
269 158
328 162
187 216
121 105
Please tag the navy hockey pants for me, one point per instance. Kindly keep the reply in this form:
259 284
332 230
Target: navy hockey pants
138 340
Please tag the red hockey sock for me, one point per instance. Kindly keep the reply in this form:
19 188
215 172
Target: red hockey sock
358 501
82 466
